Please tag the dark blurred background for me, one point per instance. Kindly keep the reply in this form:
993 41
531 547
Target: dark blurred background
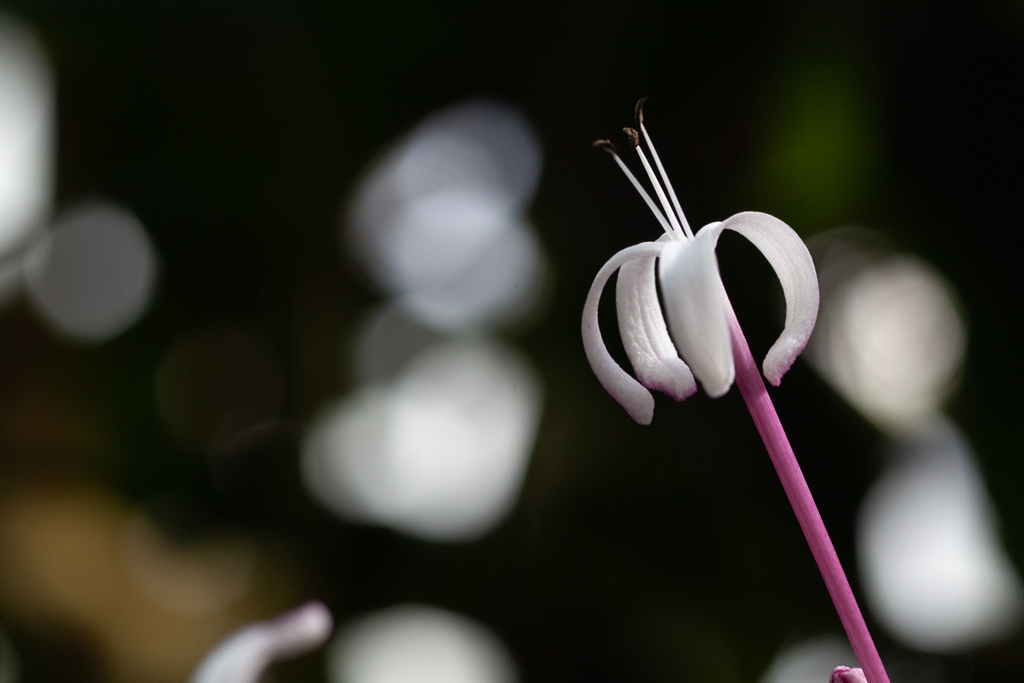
237 134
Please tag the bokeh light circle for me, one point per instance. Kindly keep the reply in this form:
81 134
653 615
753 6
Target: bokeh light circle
93 276
439 221
439 454
418 644
26 135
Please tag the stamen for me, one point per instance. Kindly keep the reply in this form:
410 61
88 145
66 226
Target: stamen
639 112
668 183
634 138
610 148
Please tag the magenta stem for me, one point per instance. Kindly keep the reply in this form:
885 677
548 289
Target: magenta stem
748 379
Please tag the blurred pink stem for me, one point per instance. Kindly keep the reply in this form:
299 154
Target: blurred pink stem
748 378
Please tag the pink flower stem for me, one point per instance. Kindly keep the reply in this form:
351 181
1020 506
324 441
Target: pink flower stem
748 378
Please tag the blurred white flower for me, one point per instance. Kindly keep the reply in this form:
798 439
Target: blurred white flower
933 566
243 656
891 340
439 221
26 135
439 454
890 337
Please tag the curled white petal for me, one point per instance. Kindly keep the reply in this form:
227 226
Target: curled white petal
242 656
788 255
695 304
630 394
644 334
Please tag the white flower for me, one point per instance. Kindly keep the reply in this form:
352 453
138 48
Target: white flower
698 310
245 654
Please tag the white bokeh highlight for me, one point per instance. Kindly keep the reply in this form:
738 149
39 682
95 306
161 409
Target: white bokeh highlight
94 274
418 644
891 340
439 221
932 563
26 135
440 453
810 661
889 337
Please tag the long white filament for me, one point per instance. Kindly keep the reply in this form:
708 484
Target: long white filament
643 193
668 183
661 192
673 220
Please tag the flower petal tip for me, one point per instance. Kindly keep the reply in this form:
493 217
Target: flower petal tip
641 411
793 265
644 334
719 388
844 674
780 359
242 656
630 393
311 623
681 393
693 293
635 400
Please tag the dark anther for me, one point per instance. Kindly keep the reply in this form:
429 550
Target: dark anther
639 110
